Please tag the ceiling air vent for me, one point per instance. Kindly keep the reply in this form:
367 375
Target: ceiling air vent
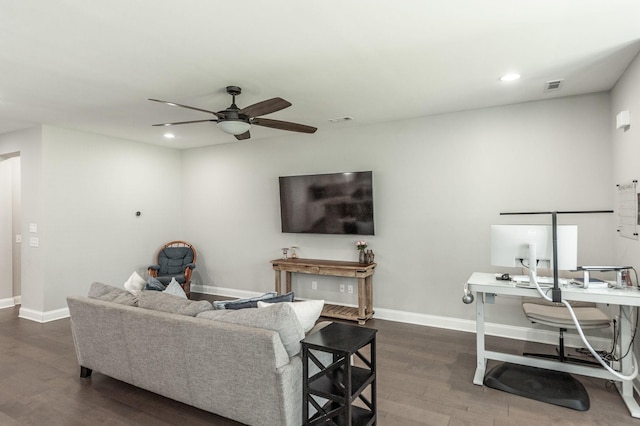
340 119
552 85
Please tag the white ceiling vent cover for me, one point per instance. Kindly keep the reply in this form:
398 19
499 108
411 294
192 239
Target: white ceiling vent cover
553 85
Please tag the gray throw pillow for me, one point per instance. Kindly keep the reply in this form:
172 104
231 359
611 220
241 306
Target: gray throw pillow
154 284
289 297
224 304
163 302
110 293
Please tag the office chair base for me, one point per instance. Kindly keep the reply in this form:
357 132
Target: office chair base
552 387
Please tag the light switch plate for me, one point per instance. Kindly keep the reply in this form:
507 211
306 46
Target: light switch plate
18 238
33 227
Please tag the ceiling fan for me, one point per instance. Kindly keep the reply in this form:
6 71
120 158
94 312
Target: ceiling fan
237 121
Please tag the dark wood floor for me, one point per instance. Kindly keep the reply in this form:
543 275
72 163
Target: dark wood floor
424 378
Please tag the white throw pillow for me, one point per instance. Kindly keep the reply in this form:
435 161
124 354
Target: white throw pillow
174 288
135 283
307 311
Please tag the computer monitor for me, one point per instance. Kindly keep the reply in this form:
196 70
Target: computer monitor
532 245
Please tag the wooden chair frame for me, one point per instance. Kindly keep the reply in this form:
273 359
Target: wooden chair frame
187 273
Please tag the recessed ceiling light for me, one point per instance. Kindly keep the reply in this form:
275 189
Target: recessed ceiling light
510 77
169 135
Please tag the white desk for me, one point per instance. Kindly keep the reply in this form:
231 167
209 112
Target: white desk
626 298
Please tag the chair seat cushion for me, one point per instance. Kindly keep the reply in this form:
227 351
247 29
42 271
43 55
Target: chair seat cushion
558 316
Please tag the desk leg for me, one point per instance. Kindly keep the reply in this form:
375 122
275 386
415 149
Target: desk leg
481 360
625 387
278 282
288 281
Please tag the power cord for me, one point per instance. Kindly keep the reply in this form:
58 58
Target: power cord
533 279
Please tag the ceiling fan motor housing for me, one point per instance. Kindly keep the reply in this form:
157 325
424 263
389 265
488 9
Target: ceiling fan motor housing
234 90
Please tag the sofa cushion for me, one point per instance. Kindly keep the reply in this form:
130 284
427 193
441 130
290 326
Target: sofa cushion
307 311
280 318
224 304
135 283
289 297
159 301
110 293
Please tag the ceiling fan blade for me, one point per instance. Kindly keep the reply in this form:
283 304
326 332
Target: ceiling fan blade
265 107
217 114
183 122
283 125
243 136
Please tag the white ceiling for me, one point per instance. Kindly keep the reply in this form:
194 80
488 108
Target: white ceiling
91 65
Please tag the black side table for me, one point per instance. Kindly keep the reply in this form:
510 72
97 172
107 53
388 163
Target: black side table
339 382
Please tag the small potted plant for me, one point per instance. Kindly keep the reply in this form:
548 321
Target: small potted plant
361 246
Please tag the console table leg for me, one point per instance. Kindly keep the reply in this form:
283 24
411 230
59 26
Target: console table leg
288 281
278 282
362 305
369 290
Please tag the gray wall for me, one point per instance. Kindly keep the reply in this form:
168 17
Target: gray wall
28 145
439 183
95 185
626 149
82 191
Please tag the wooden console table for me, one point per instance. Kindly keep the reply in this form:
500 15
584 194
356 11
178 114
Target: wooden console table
335 268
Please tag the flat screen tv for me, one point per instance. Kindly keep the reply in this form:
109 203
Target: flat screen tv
334 203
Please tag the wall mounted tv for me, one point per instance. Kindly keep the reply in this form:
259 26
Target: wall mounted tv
334 203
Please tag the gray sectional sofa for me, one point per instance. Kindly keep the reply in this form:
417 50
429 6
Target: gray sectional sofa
244 365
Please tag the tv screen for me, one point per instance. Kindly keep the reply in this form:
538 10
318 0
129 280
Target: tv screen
335 203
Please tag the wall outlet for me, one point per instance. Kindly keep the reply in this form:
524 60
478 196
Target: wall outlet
350 289
341 288
314 285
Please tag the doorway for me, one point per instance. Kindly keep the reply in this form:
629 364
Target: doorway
10 225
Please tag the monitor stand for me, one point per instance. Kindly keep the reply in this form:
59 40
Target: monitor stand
553 387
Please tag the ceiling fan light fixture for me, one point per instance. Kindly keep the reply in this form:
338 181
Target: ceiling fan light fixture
234 127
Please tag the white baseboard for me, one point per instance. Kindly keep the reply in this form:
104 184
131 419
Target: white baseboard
42 317
499 330
7 303
221 291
